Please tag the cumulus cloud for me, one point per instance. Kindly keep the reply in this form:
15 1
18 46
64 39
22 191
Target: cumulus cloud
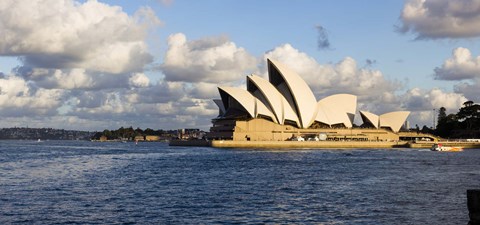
139 80
419 102
161 92
417 99
19 98
212 60
464 67
76 78
87 99
342 77
459 67
66 34
79 60
193 70
435 19
84 61
422 103
204 90
469 89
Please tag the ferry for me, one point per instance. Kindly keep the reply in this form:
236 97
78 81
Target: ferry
440 148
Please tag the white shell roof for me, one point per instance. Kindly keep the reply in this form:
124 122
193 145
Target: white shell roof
220 105
371 118
305 101
394 120
334 109
253 106
282 110
288 97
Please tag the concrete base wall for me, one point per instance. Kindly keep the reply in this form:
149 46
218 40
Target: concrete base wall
317 144
472 145
306 144
197 143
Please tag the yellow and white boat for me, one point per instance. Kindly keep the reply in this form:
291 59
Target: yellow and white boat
440 148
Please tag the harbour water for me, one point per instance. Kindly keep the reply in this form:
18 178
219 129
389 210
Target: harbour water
57 182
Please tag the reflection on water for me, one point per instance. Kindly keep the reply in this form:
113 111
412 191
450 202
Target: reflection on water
84 182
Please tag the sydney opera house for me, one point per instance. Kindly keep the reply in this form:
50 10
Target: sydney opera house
285 108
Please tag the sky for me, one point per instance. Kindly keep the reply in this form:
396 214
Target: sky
95 65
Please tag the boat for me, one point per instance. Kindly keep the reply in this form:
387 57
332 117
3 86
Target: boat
440 148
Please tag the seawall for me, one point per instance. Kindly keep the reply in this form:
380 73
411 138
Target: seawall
306 144
318 144
195 142
289 144
463 144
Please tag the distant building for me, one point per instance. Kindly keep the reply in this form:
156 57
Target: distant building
139 138
152 138
191 133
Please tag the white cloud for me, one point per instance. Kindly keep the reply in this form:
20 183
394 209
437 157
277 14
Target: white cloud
113 106
460 66
327 79
87 60
76 78
139 80
203 90
19 98
417 99
433 19
212 60
469 89
422 103
146 15
451 101
66 34
161 92
87 99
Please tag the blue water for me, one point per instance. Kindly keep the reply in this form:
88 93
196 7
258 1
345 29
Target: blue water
56 182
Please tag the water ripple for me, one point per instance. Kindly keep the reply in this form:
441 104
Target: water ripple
152 183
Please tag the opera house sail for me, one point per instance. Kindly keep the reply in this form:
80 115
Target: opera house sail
284 106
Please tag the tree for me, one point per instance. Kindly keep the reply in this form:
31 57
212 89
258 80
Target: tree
107 133
468 103
469 116
149 131
427 130
446 126
464 124
442 114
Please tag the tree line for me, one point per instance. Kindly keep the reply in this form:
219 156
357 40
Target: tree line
130 133
463 124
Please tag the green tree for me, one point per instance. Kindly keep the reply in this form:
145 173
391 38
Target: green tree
442 114
138 131
107 133
446 126
469 116
149 131
427 130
